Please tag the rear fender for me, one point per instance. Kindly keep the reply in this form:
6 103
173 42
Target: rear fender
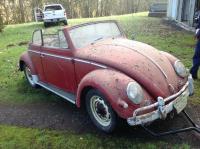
25 59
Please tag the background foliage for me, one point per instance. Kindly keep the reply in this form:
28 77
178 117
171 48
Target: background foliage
20 11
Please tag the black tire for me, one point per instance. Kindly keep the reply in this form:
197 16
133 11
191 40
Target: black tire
65 22
27 73
106 126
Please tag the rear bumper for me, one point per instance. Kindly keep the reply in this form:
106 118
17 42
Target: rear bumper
176 102
54 20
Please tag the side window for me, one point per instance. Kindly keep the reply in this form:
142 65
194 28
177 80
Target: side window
62 40
37 37
51 40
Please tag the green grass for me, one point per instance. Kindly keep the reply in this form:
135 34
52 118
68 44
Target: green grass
24 138
15 90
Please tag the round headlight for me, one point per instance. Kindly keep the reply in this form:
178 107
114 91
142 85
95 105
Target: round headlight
180 69
135 92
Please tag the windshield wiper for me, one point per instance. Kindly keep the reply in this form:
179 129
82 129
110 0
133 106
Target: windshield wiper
97 40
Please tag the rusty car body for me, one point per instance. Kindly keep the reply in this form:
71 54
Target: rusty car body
96 66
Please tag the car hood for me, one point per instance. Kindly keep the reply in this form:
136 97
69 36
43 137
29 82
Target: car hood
143 63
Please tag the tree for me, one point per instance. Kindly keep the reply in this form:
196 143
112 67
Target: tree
1 23
20 11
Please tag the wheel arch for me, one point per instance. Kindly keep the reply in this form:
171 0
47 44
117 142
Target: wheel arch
83 94
26 60
112 85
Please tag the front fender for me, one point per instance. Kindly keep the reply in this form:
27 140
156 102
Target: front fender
170 57
25 59
113 85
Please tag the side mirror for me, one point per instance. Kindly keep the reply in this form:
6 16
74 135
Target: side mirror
133 36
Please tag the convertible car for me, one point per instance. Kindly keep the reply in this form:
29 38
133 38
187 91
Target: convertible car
96 66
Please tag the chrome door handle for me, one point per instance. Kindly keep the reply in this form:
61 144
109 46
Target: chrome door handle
42 55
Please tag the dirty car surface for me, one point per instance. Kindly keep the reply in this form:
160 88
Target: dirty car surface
96 66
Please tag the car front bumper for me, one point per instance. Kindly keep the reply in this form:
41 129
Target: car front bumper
175 102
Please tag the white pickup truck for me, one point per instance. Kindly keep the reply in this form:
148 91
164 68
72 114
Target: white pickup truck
54 13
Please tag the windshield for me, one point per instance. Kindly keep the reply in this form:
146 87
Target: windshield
52 8
88 34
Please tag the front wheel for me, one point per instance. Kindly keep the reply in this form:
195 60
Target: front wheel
100 112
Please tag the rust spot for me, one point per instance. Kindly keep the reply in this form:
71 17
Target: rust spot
116 80
137 66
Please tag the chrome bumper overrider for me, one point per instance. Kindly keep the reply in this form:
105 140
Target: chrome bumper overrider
162 109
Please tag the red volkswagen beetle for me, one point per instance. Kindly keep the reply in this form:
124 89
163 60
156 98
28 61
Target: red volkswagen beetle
96 66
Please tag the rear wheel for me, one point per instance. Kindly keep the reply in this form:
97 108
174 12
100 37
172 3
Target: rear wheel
29 77
100 112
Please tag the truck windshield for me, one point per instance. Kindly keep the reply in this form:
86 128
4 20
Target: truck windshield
88 34
51 8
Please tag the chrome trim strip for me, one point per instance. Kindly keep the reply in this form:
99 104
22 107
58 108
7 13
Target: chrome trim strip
158 66
52 55
68 99
70 59
89 62
34 51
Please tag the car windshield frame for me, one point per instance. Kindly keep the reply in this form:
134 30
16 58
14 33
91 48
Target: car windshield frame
121 33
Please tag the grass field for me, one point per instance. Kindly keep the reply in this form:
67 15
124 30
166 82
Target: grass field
23 138
15 90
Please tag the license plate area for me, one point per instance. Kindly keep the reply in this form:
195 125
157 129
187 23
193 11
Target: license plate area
181 101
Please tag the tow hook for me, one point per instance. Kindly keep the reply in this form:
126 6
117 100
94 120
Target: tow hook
161 109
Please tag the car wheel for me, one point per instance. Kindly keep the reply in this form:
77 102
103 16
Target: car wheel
65 22
100 112
29 77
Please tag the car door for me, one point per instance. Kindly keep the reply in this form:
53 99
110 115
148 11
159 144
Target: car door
35 53
57 62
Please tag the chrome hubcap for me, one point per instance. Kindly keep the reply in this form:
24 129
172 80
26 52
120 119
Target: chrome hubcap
100 110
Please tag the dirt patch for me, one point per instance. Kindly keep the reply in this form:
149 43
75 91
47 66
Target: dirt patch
61 115
22 43
55 115
10 46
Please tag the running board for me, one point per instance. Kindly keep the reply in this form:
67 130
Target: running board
68 96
